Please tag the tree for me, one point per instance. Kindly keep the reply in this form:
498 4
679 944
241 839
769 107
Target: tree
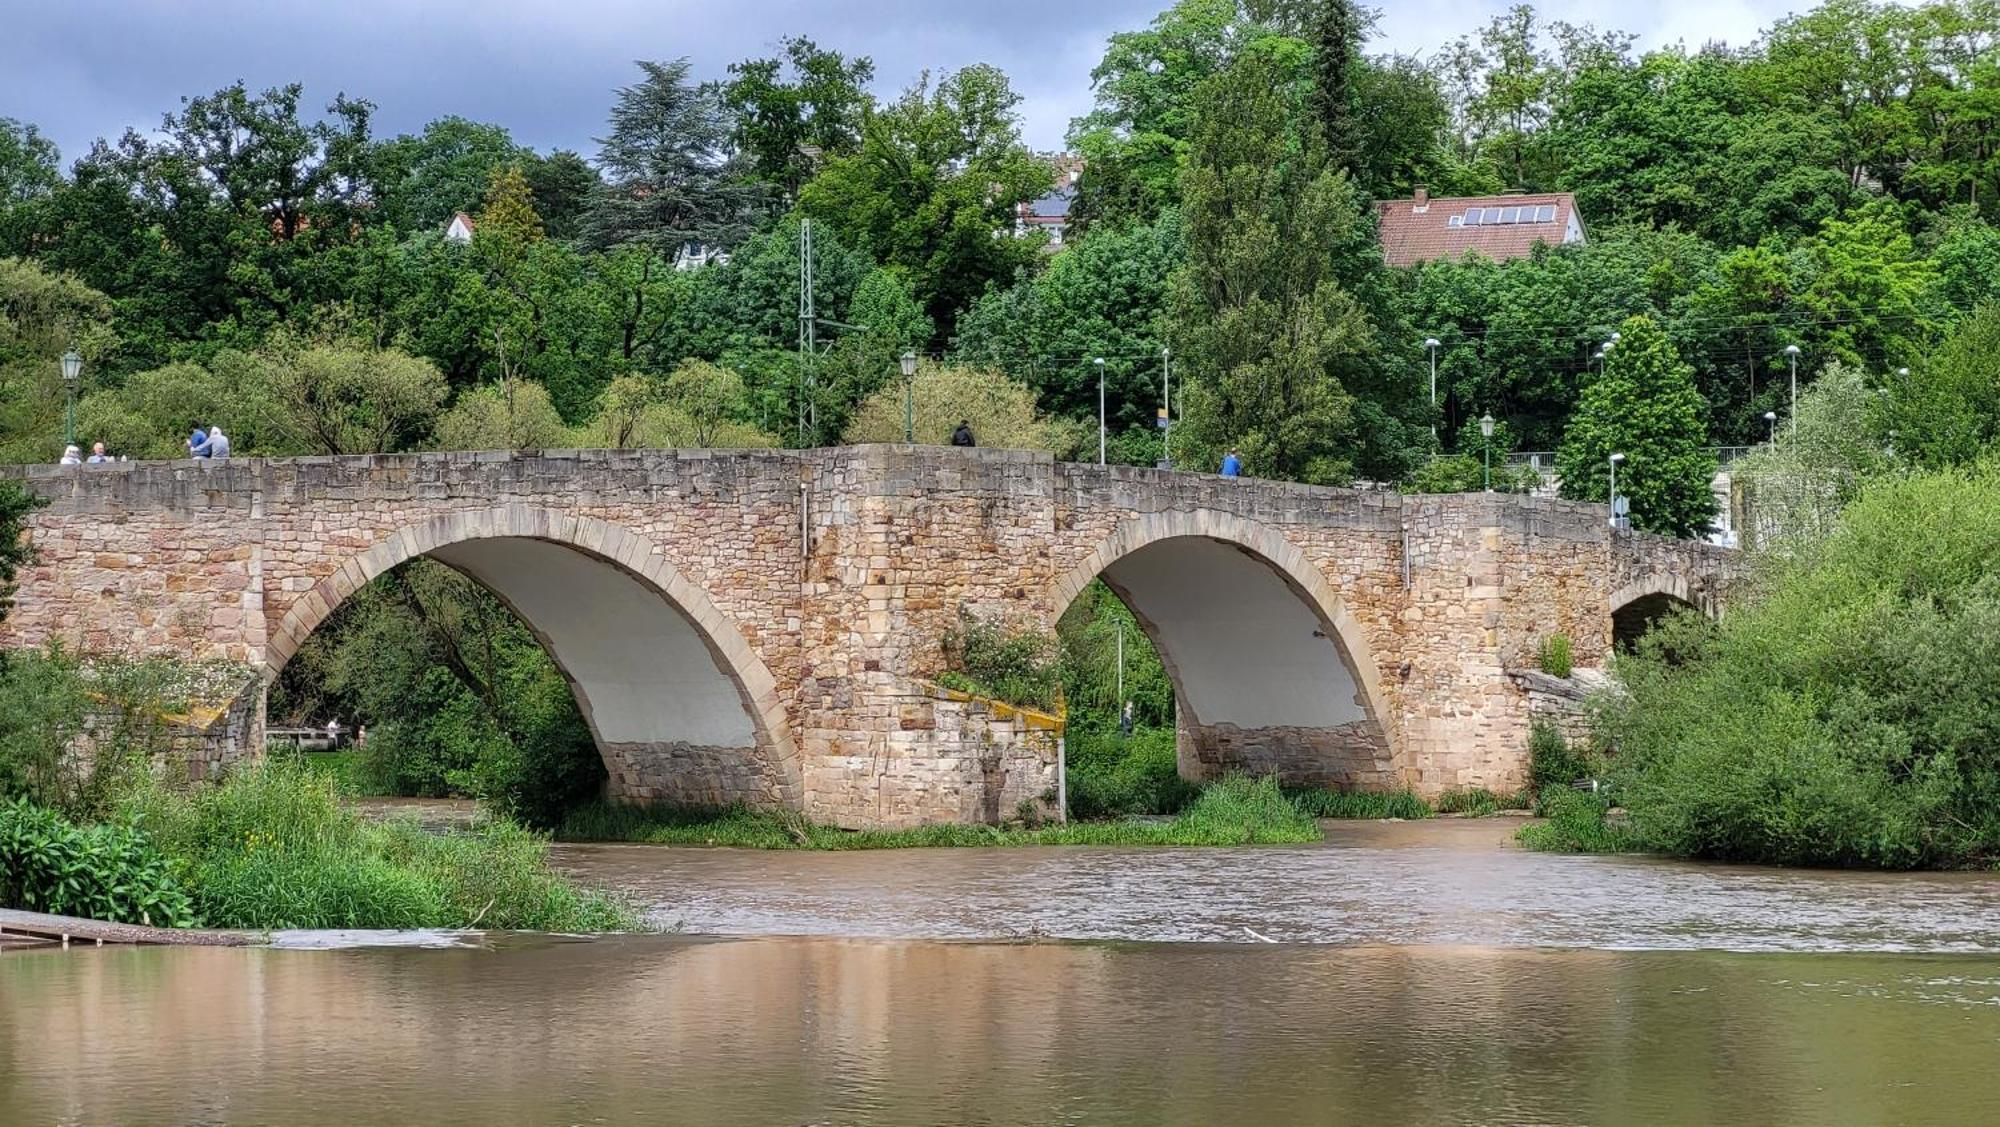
1869 287
706 395
1794 489
341 398
933 187
1336 32
1001 411
507 224
28 163
423 179
1104 296
1645 407
788 128
1135 137
563 185
1261 322
666 160
516 415
265 161
43 315
1946 412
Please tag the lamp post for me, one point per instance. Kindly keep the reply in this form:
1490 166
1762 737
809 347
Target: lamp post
1792 351
909 397
1166 408
1432 344
1486 432
1615 459
1771 417
1603 351
1101 430
72 367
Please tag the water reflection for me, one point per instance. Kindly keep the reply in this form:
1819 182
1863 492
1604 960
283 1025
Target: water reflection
820 1031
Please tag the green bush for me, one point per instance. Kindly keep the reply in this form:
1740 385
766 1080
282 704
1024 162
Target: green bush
1555 657
103 872
1113 776
1576 822
1318 802
1552 762
1018 667
1850 714
42 708
272 847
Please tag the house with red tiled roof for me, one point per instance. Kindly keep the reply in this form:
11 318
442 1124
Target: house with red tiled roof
1503 227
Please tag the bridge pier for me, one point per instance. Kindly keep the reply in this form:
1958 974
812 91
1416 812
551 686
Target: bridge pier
764 626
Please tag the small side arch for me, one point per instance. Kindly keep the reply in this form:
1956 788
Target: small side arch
679 704
1644 601
1272 672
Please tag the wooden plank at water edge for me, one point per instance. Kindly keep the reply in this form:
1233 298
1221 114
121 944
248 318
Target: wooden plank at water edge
70 930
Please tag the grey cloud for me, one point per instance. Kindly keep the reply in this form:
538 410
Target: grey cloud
90 68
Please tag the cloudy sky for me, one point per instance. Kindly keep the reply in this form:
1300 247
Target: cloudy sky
545 68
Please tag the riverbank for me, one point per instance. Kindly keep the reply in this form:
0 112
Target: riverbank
1234 811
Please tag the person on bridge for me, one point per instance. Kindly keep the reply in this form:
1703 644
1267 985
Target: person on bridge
196 441
963 435
71 456
97 454
1232 466
216 445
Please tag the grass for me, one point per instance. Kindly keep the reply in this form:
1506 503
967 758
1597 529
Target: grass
1576 823
272 847
1317 802
1478 802
1235 811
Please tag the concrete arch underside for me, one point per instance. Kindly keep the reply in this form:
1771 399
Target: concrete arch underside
1272 673
681 708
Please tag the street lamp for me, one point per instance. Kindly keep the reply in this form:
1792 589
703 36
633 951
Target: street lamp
909 399
1792 351
1166 408
1486 432
1603 353
1432 344
1615 459
72 367
1771 417
1101 429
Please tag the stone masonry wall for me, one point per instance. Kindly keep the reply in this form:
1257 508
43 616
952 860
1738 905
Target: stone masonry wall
828 579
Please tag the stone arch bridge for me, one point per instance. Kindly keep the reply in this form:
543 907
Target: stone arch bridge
761 626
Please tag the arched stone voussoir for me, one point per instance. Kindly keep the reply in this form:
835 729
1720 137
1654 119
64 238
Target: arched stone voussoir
630 553
1671 584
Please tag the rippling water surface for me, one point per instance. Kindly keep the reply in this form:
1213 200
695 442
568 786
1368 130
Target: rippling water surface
1421 974
1441 882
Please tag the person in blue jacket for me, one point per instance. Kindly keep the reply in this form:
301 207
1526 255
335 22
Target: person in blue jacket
1232 466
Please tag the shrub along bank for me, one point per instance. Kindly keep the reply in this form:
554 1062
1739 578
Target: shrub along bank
272 847
1848 715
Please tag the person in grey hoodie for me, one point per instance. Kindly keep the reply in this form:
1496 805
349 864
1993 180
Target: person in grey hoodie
216 445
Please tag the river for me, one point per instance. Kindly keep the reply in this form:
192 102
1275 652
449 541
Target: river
1417 973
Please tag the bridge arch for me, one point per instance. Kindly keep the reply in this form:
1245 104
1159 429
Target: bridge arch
1640 603
681 707
1271 671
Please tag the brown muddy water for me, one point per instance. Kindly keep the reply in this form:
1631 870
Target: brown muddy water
1423 973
